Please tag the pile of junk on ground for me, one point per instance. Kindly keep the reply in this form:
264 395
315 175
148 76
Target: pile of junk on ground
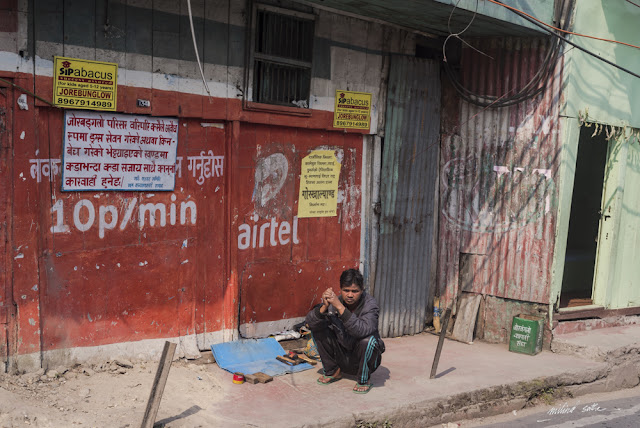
259 360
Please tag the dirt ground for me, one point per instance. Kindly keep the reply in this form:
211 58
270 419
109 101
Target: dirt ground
108 394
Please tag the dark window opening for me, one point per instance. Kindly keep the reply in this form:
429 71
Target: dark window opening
431 48
282 56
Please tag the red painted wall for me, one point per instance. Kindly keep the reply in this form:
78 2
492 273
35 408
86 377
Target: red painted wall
284 280
6 309
84 280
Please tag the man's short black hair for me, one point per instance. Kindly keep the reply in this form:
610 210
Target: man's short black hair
351 276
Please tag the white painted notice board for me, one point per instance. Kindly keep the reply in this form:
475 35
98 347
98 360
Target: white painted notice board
107 151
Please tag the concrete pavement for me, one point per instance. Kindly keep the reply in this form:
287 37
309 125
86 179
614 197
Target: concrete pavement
473 380
477 380
599 344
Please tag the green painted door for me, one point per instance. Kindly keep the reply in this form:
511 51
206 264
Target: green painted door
617 277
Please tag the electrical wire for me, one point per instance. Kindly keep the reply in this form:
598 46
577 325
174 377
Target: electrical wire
195 48
635 4
537 84
28 92
475 12
533 88
523 14
457 35
564 39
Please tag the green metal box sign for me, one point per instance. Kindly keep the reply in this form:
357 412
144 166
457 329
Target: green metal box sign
526 334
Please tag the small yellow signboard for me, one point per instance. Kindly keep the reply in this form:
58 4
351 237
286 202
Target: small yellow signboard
319 185
352 110
84 84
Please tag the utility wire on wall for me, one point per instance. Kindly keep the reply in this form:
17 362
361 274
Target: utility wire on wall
530 18
538 83
635 4
512 96
195 48
587 51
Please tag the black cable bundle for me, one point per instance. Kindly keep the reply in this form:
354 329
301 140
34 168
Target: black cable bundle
534 87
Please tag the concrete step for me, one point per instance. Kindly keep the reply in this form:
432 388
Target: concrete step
600 344
574 326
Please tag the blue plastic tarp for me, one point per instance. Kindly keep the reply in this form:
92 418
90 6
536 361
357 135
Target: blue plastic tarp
254 355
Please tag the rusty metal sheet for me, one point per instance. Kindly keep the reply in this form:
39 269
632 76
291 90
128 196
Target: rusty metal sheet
497 176
496 317
406 268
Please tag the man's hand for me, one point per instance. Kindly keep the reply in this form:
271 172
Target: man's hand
325 305
332 299
325 300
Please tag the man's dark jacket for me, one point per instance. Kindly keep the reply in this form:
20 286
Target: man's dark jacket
350 326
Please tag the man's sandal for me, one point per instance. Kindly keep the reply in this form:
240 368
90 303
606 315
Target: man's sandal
362 388
326 379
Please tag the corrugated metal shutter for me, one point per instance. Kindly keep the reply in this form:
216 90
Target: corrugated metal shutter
406 253
499 168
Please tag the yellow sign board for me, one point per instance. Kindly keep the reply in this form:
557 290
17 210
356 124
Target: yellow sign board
84 84
319 177
352 110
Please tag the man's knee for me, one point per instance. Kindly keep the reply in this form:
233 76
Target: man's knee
325 338
364 341
367 342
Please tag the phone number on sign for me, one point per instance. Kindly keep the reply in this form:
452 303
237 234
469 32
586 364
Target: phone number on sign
350 124
84 103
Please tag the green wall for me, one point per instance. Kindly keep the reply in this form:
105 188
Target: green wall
434 16
610 95
541 9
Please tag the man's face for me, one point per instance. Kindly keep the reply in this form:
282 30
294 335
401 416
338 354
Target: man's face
351 294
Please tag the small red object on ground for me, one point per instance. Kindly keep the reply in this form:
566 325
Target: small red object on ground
238 378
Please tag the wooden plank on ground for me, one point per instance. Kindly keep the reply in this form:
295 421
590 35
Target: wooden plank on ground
251 378
159 383
258 377
307 359
466 317
289 361
263 377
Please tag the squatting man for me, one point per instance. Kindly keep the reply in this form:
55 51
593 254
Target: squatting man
345 330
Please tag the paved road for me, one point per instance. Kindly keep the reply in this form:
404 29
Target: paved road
574 413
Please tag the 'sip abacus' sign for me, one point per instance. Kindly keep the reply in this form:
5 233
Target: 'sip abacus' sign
85 84
352 110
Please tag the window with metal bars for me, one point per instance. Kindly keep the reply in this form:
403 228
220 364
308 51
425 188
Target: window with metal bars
282 55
